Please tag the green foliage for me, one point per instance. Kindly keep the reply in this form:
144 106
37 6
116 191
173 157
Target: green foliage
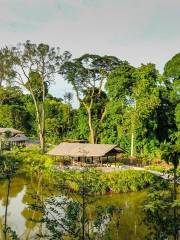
34 85
87 75
115 182
135 107
13 112
57 120
9 165
131 107
162 212
35 163
171 153
79 128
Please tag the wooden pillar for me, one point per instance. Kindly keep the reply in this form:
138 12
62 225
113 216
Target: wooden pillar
101 161
115 159
107 161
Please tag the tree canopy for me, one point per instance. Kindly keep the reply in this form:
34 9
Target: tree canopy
135 107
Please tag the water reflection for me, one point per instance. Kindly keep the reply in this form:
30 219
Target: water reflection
128 225
15 209
19 215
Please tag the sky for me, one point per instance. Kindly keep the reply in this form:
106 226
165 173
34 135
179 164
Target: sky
139 31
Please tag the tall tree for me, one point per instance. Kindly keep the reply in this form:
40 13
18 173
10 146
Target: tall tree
119 89
145 98
172 82
33 67
87 74
133 95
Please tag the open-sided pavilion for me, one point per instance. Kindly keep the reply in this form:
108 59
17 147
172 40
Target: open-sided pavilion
86 153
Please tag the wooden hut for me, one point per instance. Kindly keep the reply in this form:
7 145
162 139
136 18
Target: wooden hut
85 153
18 140
11 131
10 137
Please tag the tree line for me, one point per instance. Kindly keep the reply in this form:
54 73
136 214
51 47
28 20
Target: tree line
135 107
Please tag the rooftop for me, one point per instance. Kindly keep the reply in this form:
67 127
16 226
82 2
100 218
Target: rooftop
20 138
12 130
84 150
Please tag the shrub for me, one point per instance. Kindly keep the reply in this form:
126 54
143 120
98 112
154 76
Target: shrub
115 182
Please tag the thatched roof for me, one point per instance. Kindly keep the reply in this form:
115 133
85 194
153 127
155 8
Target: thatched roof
84 150
19 138
12 130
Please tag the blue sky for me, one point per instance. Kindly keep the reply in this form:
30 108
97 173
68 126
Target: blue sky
139 31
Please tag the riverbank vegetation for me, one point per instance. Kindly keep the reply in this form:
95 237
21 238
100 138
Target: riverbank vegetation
162 211
33 163
73 192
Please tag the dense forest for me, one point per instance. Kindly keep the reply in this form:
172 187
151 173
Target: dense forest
135 107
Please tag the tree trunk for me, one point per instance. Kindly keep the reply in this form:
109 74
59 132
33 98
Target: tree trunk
133 122
92 134
42 133
132 145
40 116
42 142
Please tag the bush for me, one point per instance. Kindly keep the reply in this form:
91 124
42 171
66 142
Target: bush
115 182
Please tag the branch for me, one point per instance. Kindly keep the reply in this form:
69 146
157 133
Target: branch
24 71
103 115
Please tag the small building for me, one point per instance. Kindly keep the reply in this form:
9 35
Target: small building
86 153
10 137
18 140
10 131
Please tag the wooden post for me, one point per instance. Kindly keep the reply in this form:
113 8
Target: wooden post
107 161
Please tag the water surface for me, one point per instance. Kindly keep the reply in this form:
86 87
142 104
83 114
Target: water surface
20 216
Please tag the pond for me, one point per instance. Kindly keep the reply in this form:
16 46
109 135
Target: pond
19 215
